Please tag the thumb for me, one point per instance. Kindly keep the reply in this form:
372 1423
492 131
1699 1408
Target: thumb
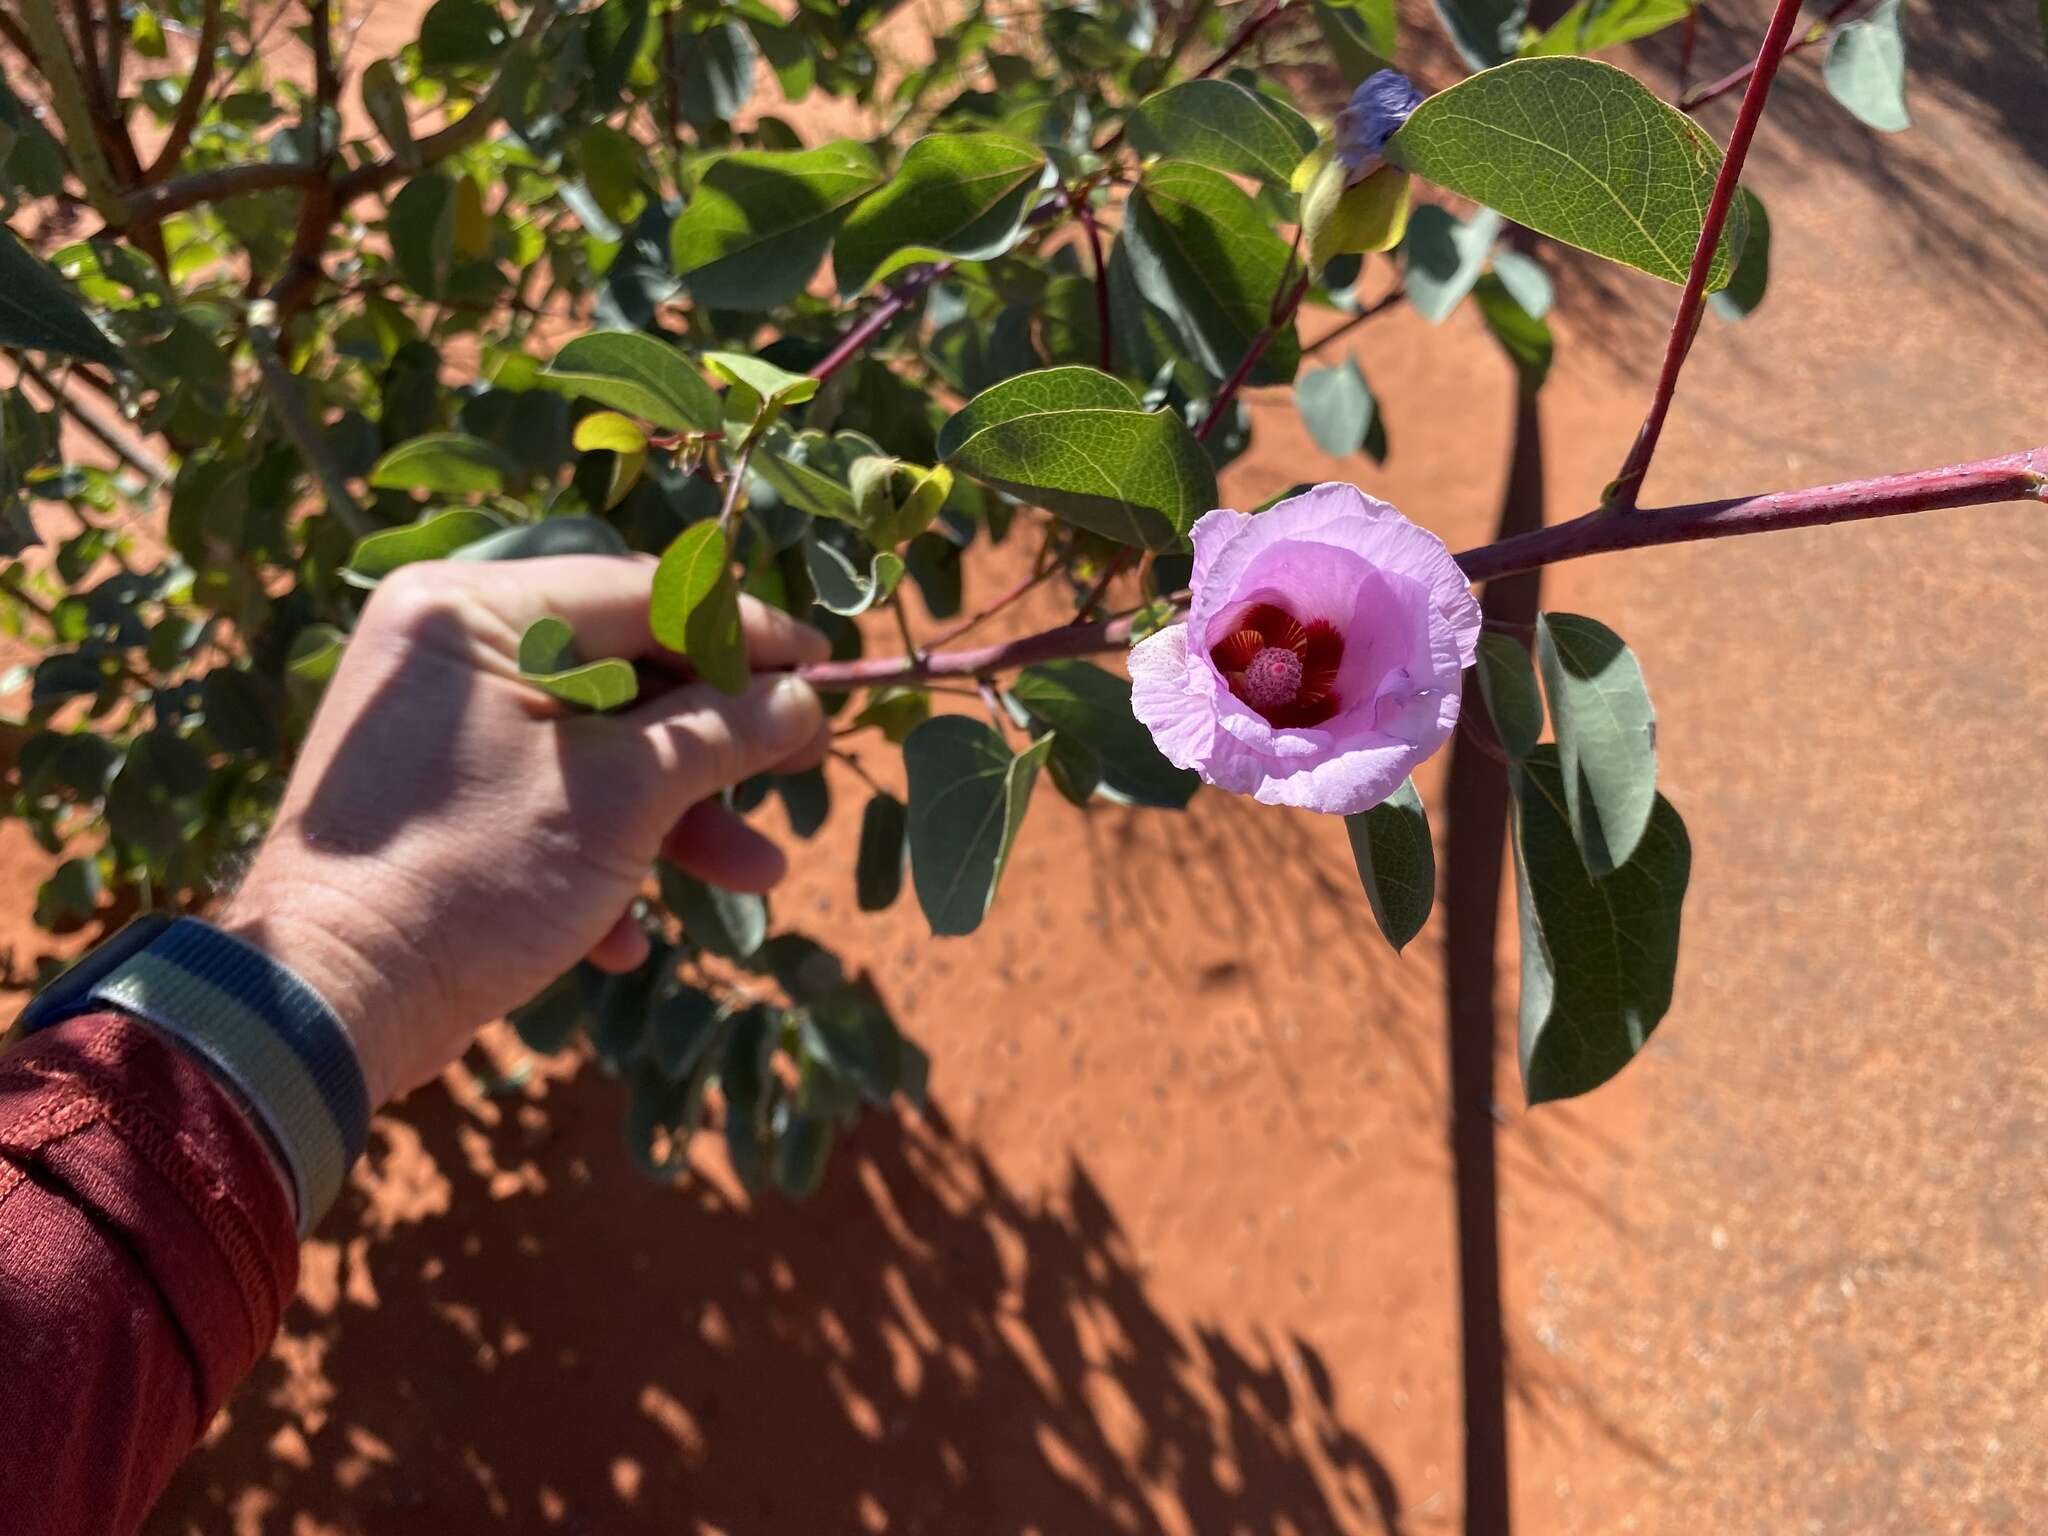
700 741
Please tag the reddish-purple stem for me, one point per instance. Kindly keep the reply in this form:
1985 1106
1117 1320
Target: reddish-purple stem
1079 203
1283 312
900 298
1629 482
1714 90
1257 23
2010 477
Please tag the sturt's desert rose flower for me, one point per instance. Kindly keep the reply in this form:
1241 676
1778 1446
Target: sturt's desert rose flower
1381 104
1322 656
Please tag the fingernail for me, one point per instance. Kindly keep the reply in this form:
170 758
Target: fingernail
793 710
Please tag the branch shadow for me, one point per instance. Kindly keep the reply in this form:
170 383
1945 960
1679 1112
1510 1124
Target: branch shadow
481 1345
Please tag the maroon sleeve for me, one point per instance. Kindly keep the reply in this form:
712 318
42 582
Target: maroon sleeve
147 1249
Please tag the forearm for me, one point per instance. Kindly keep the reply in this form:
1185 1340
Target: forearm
147 1250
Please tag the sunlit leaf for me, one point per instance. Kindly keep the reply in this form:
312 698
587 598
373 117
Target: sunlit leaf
759 222
1396 863
1606 734
968 794
956 194
1220 124
1866 68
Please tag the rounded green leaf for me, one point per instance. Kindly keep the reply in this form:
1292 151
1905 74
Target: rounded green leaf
841 586
967 799
1866 68
434 537
878 871
444 463
1606 735
548 659
1593 25
1077 443
1444 256
1507 682
1745 291
695 607
38 313
1080 700
1598 956
1206 258
1220 124
760 221
1396 863
637 374
1337 406
1485 32
1581 152
956 194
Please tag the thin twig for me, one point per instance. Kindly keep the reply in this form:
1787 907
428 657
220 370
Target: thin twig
1622 494
1692 101
854 763
193 99
981 616
735 479
900 298
136 457
1378 306
1106 349
1282 317
1985 482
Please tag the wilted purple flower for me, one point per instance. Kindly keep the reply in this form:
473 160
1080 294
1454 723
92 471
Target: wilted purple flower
1322 657
1381 104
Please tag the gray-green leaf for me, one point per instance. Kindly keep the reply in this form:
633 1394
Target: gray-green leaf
1606 735
1581 152
1507 683
1598 956
1205 257
878 871
638 375
967 800
38 312
956 194
1866 68
1078 443
445 464
1396 863
841 586
1222 125
760 221
1338 407
434 537
548 660
1444 257
1080 700
1485 32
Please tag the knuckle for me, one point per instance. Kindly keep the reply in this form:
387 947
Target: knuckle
411 601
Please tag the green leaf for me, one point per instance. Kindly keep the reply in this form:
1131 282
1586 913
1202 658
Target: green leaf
549 536
1598 956
549 1022
967 799
241 714
1444 257
1525 279
1593 25
682 1028
1222 125
1338 407
622 438
1077 442
1396 863
894 502
1204 255
695 607
548 660
840 585
618 28
1745 291
956 194
1866 68
1524 338
1507 682
878 871
639 375
760 221
809 470
1579 151
720 75
444 463
71 894
758 390
728 923
421 226
457 33
1362 35
895 712
38 313
1606 735
1093 707
434 537
1485 32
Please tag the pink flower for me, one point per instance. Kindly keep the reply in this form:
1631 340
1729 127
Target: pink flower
1322 657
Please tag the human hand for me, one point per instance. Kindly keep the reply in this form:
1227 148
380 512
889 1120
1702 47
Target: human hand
452 839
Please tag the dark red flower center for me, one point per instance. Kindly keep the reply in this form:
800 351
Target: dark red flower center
1281 667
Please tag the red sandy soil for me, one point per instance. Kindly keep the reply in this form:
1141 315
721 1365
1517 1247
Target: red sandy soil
1174 1251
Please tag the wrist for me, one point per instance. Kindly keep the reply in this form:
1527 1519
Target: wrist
296 925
